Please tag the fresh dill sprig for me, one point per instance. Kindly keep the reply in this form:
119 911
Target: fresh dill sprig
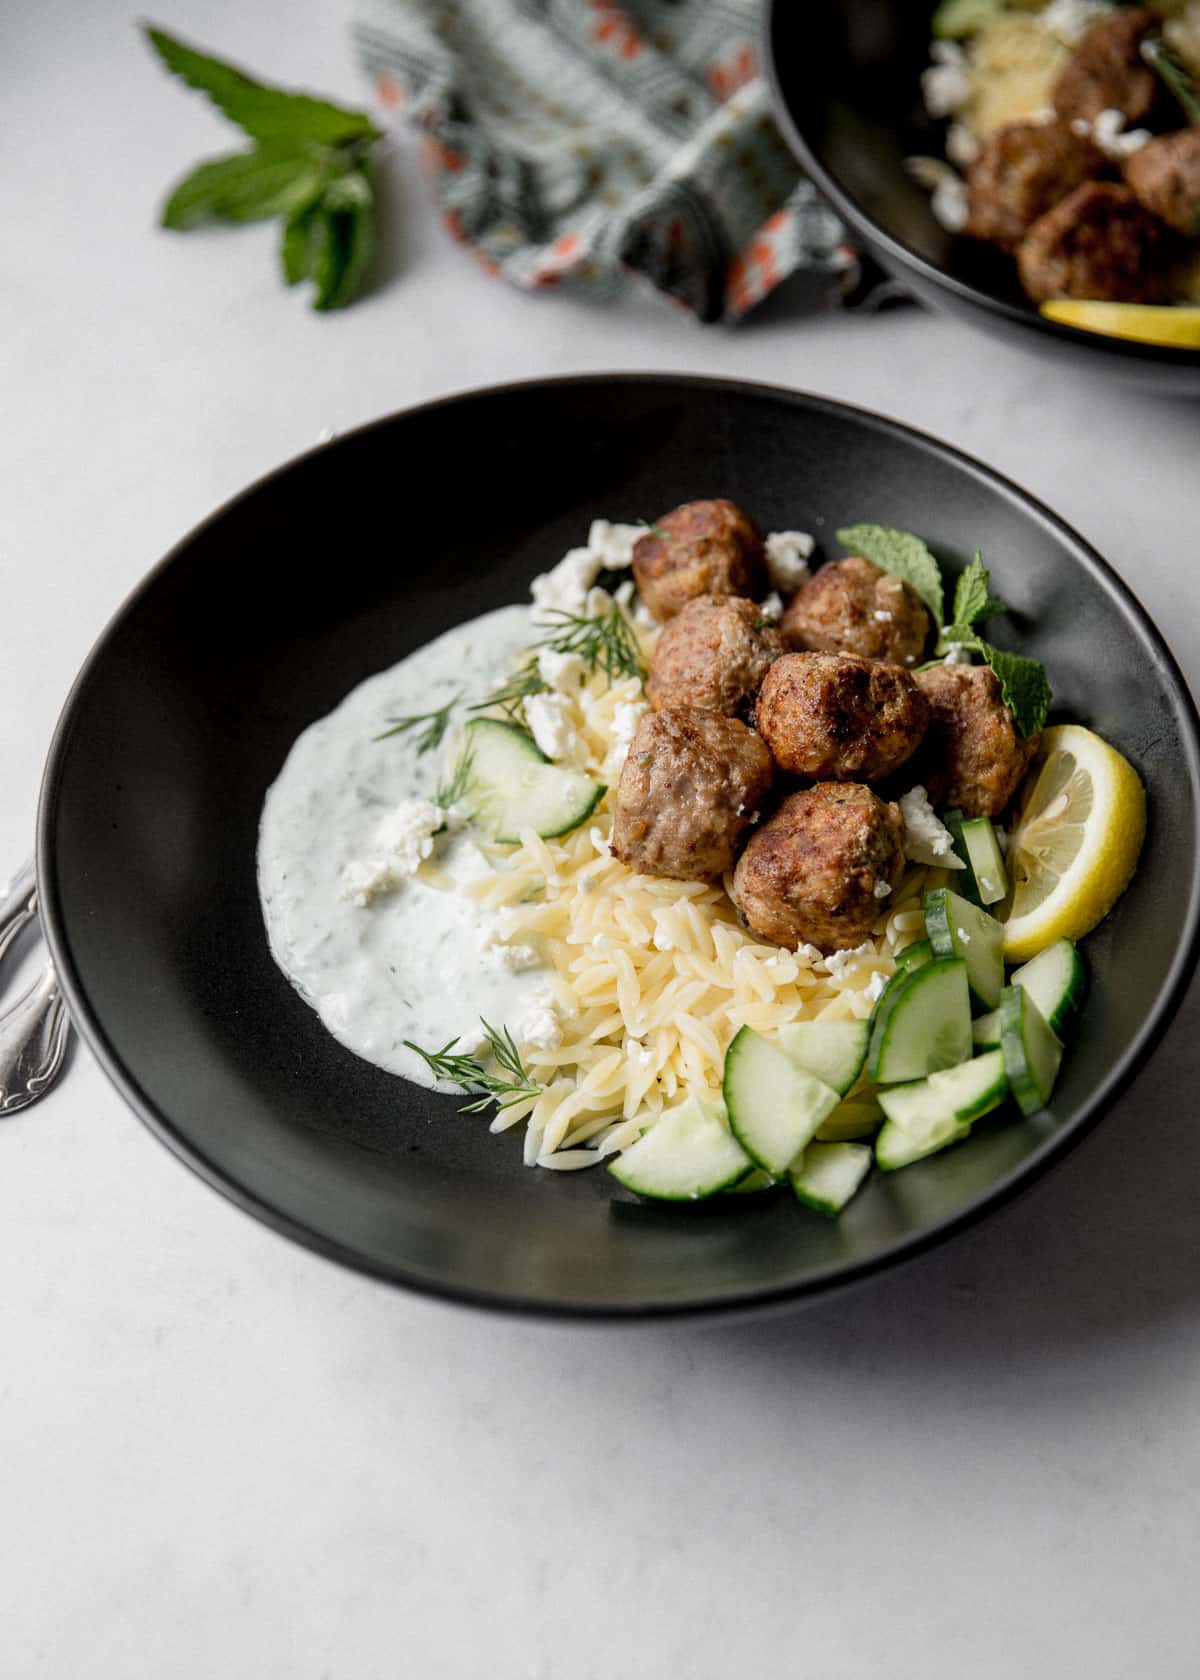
455 789
433 725
605 643
511 1084
510 699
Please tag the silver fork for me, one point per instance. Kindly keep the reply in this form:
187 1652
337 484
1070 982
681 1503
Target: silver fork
34 1030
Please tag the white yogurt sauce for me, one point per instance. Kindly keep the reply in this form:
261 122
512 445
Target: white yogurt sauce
420 962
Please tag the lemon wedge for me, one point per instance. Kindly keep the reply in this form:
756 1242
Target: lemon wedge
1149 323
1075 843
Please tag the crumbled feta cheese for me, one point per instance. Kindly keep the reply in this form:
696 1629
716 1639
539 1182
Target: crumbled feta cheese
883 616
962 148
963 935
949 204
398 847
1112 137
839 963
1071 19
565 587
541 1027
550 724
959 654
627 714
788 553
876 986
613 544
926 837
518 959
946 85
624 592
771 606
881 889
564 672
809 954
643 618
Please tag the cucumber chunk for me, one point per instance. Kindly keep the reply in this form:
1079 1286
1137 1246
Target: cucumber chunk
1031 1051
1056 981
964 878
922 1023
985 1030
856 1116
755 1181
686 1155
958 928
832 1051
914 956
774 1106
828 1174
936 1112
985 860
514 787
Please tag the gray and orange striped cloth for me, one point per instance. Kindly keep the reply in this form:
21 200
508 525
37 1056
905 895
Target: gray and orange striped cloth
578 142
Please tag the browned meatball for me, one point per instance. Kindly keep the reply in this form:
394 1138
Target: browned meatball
1106 72
692 784
1024 170
973 758
1164 176
852 606
1098 243
836 717
809 875
702 548
714 654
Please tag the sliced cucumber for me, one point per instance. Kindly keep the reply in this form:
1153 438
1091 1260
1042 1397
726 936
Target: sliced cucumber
922 1023
985 859
774 1106
985 1030
756 1180
832 1051
964 878
1056 981
958 928
687 1154
1031 1051
828 1174
914 956
938 1111
856 1116
514 787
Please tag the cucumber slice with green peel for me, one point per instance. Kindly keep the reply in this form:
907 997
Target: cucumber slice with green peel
774 1106
923 1024
964 878
828 1174
985 860
1032 1053
832 1051
513 787
913 956
936 1112
985 1030
856 1116
958 928
686 1155
1056 980
755 1181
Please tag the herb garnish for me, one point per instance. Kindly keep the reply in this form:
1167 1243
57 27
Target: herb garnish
435 725
453 791
309 164
902 554
1174 75
512 1084
607 642
525 681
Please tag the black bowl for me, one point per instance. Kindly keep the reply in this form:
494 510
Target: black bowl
845 76
339 564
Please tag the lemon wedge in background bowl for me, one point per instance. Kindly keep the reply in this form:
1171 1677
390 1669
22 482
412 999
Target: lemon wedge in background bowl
1149 323
1075 843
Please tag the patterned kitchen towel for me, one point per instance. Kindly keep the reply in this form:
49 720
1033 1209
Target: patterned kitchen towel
571 141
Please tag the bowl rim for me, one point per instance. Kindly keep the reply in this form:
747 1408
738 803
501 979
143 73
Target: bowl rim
896 255
826 1280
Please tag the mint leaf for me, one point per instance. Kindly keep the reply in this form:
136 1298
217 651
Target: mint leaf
902 554
341 239
245 186
1024 687
296 244
972 598
264 113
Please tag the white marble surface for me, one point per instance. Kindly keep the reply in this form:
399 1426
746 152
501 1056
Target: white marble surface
224 1456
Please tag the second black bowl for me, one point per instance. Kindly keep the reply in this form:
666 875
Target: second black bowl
846 79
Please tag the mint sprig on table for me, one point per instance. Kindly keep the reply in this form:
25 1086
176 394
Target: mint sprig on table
1023 683
309 164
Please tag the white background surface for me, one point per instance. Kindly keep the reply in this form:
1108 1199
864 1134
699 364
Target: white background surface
220 1455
